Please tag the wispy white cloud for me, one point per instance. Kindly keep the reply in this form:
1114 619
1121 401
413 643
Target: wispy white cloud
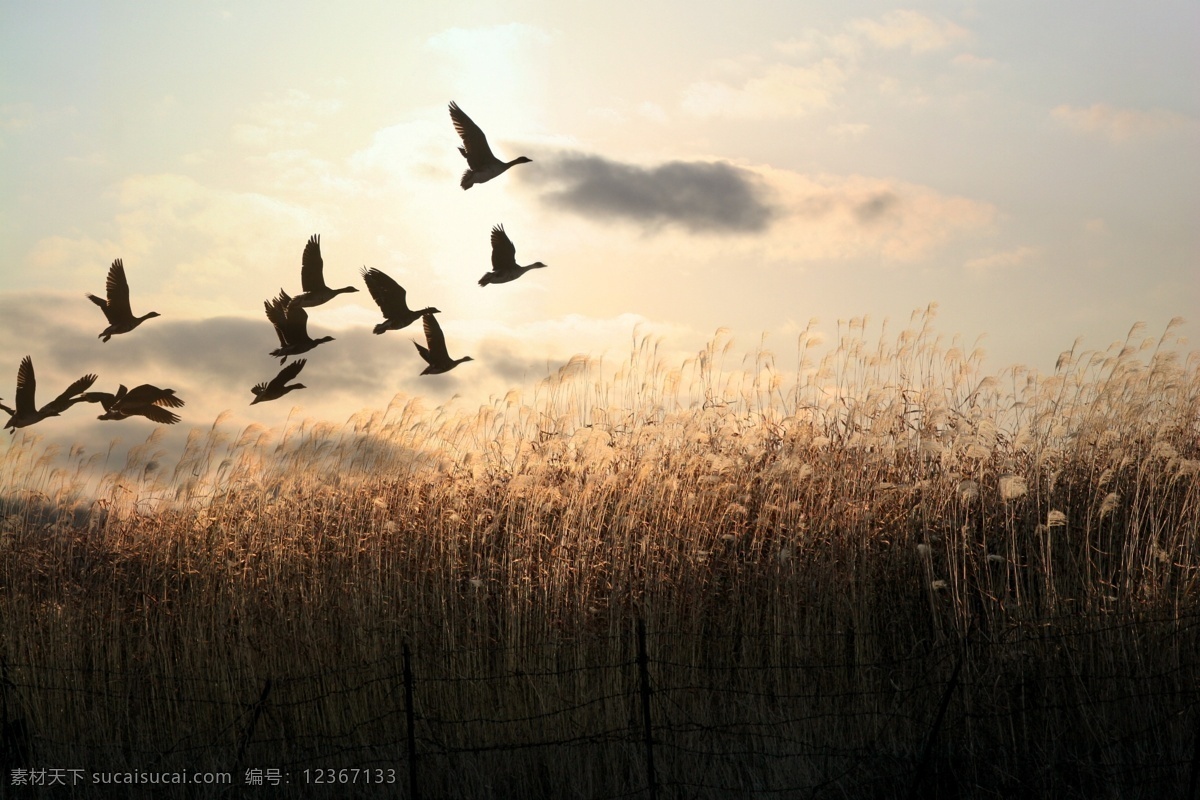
284 119
910 29
972 61
780 90
190 244
854 216
26 116
1004 260
1121 124
751 87
849 130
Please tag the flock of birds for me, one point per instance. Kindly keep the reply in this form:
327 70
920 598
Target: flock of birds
286 313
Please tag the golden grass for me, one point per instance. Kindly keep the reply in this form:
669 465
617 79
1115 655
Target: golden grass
883 498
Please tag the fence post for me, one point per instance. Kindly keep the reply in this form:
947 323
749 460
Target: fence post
248 734
1193 790
643 660
937 724
16 745
409 719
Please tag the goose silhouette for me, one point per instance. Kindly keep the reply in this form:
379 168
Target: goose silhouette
116 308
291 325
145 400
482 164
276 388
26 411
312 278
435 354
392 301
504 260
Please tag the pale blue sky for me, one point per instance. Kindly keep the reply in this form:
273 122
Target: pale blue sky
1030 167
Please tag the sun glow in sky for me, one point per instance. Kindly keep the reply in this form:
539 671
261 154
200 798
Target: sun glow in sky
1032 169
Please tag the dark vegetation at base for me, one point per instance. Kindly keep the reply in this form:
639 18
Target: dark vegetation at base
1088 706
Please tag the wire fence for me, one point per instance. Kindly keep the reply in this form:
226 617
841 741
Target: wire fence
1080 708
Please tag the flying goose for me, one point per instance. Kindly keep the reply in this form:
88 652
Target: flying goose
392 301
483 166
27 412
275 388
146 401
435 354
504 260
312 278
116 307
291 325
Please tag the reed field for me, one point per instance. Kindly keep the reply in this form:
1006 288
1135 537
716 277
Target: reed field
865 568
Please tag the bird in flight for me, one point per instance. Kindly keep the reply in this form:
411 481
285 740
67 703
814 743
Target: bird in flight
482 164
146 401
435 354
392 301
504 260
312 278
291 325
276 387
27 412
116 307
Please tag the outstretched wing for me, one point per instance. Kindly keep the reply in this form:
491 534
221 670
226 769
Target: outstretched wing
100 301
286 374
68 398
436 339
388 295
312 270
117 288
504 252
156 414
475 145
26 385
296 325
277 314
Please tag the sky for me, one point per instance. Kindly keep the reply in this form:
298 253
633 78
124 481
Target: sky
1032 168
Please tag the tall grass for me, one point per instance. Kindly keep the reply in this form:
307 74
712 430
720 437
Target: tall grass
852 506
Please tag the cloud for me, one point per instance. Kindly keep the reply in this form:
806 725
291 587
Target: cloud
841 217
26 116
284 118
972 61
830 63
186 244
876 207
911 29
817 219
1006 259
779 91
848 130
1120 124
701 196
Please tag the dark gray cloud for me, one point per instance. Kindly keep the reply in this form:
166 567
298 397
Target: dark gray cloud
876 207
701 196
511 366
